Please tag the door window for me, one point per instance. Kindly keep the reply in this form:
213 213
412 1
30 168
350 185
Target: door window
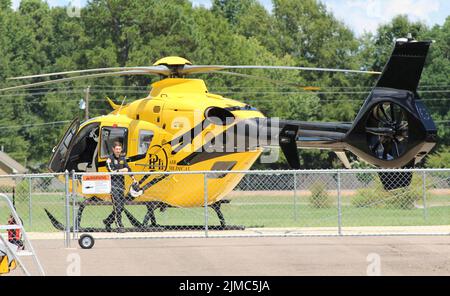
145 138
111 135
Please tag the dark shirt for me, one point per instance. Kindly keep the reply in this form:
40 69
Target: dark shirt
113 164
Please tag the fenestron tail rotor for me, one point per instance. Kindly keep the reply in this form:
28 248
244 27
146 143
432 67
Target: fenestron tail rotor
387 131
393 128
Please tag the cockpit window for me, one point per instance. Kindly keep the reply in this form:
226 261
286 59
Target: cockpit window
69 137
109 136
145 138
84 147
59 157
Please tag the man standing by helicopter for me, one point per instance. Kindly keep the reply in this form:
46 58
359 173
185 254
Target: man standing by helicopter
116 163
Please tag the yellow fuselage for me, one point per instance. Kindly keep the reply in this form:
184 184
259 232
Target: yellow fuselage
174 107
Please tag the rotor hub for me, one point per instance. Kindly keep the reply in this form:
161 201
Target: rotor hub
172 61
174 64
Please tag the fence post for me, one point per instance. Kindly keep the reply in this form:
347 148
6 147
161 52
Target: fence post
295 197
424 196
205 193
67 211
74 216
30 206
339 201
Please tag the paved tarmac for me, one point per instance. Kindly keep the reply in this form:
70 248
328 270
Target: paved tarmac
263 256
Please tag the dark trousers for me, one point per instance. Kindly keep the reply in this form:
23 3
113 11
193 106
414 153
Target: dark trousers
118 201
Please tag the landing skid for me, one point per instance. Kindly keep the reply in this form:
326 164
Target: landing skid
149 217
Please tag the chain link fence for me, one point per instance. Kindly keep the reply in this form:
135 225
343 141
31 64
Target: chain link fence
33 196
231 203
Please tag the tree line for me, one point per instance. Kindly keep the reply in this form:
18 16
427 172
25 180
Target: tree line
37 38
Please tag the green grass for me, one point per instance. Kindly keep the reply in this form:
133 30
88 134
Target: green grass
250 211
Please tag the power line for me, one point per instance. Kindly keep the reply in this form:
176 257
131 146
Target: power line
220 87
335 100
220 93
66 92
244 99
319 86
83 87
67 121
34 125
318 92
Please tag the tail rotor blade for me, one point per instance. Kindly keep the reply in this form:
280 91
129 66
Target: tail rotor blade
392 113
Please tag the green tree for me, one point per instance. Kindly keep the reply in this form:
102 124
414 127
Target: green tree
37 38
383 41
231 9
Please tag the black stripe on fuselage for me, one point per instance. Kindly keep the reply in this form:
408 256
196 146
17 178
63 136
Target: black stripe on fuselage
194 132
204 153
154 181
149 184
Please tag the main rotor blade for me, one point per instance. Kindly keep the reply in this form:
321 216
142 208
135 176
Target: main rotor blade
191 69
122 73
157 70
307 88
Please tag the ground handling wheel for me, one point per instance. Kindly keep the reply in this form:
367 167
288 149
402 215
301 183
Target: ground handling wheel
86 241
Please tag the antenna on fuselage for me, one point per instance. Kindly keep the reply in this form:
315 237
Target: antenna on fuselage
123 101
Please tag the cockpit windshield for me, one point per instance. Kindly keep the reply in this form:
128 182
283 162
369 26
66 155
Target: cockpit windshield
83 155
59 157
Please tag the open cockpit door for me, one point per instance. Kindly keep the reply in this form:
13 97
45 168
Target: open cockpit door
61 151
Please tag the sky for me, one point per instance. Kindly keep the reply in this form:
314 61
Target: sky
360 15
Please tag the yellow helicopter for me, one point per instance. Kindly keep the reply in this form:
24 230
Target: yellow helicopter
180 126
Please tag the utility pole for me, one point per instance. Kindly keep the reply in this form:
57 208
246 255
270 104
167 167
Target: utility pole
86 100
